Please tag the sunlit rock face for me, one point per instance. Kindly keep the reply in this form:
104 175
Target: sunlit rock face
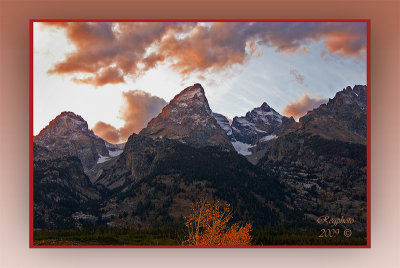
189 119
68 134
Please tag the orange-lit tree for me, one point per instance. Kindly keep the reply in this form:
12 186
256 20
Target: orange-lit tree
208 226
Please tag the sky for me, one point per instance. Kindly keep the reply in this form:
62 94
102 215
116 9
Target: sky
119 75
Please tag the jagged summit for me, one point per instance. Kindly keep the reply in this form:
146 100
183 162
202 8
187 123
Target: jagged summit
343 118
257 127
357 94
266 108
191 96
65 121
190 92
188 118
265 113
256 124
68 134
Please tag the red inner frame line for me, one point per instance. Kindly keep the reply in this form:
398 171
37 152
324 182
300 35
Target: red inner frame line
368 245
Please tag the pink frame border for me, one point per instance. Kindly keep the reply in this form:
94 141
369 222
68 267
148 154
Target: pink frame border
368 245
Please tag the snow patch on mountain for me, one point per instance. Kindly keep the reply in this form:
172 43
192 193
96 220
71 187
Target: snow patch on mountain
244 122
242 148
256 124
259 130
114 153
223 122
103 159
268 138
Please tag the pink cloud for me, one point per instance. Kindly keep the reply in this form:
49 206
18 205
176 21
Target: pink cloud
138 109
108 52
299 108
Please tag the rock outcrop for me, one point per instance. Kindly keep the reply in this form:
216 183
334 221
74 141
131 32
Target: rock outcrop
68 134
188 118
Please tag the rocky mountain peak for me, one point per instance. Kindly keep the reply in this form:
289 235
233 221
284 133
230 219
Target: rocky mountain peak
189 119
349 96
256 124
191 92
265 107
66 122
191 97
68 135
343 118
264 114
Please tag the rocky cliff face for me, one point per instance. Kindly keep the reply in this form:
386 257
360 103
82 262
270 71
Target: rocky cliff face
61 188
155 181
68 134
343 118
224 123
140 158
188 118
323 162
321 176
251 132
256 124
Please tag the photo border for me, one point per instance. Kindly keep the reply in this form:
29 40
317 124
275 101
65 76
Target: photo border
368 56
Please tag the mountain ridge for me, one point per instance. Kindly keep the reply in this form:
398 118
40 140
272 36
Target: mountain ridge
186 151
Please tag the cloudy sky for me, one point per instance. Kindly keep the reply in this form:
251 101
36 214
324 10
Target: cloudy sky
118 75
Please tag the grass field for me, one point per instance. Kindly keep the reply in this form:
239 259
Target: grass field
173 236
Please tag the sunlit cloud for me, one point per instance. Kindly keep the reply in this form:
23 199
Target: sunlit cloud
108 53
107 132
106 76
138 109
299 108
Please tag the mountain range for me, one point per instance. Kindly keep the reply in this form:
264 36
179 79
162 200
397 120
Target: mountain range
273 170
